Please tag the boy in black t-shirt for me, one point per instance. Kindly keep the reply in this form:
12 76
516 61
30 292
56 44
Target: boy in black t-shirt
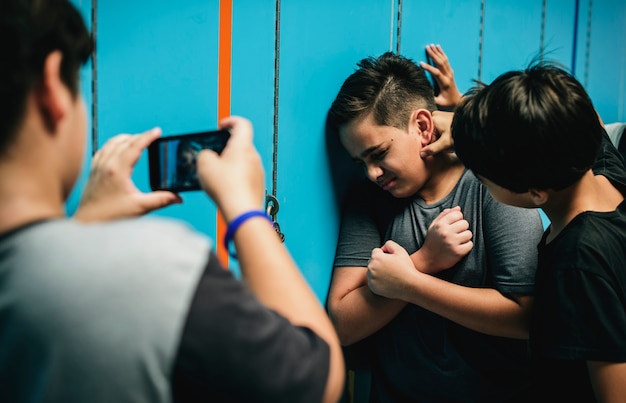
532 137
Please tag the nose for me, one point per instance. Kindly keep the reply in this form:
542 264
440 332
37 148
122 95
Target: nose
374 171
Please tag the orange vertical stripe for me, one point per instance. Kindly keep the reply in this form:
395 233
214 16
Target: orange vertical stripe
223 99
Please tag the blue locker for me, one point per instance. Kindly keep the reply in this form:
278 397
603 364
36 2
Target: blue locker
157 66
253 79
456 26
601 56
320 44
512 36
86 79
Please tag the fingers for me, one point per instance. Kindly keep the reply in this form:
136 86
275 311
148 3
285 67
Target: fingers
137 144
434 148
431 69
442 121
439 58
109 148
390 247
449 216
240 128
157 200
125 148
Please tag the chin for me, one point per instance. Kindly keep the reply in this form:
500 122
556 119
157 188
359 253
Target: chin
398 193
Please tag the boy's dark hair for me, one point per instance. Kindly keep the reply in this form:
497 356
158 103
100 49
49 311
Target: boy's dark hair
389 86
535 128
29 31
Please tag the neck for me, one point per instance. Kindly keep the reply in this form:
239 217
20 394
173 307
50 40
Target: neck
26 197
446 171
591 193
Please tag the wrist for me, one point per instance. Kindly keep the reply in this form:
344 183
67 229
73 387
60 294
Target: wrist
232 209
237 222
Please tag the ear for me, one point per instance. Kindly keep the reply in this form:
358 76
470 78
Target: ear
53 98
422 123
538 197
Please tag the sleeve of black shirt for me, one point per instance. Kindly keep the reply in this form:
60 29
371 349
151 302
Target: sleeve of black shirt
234 349
609 162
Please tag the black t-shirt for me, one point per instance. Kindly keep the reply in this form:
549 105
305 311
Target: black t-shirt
233 349
580 298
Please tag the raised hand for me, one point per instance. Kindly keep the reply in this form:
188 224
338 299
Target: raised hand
449 95
110 192
235 179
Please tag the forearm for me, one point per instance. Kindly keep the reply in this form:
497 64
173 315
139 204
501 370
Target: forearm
608 380
272 275
484 310
361 313
423 263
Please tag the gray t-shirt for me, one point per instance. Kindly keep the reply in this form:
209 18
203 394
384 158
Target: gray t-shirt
94 312
141 311
419 355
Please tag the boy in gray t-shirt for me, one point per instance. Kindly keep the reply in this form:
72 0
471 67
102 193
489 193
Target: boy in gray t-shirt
436 275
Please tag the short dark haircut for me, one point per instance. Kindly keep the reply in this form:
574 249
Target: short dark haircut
389 87
29 31
530 129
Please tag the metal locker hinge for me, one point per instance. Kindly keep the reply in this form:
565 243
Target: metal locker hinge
271 208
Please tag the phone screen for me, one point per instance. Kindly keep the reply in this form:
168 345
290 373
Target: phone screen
172 159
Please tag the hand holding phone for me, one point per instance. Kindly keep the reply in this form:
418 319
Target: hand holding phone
110 192
172 159
235 179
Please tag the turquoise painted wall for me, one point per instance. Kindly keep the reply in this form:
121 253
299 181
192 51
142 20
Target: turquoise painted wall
156 65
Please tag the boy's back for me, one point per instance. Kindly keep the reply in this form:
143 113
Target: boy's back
64 312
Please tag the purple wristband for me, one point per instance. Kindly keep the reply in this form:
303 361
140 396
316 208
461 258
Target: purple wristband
236 223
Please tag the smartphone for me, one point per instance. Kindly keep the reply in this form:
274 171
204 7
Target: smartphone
172 159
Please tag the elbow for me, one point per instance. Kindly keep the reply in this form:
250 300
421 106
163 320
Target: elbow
346 339
345 333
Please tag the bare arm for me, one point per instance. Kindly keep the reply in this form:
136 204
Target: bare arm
355 311
608 380
267 267
484 310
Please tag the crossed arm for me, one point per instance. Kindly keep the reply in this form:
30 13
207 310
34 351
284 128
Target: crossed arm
362 300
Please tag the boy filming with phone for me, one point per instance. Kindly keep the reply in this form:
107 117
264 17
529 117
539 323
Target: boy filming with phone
108 308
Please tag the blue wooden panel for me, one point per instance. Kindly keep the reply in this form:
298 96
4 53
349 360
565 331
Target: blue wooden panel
252 94
252 90
452 24
601 61
560 24
85 76
157 66
512 36
321 42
